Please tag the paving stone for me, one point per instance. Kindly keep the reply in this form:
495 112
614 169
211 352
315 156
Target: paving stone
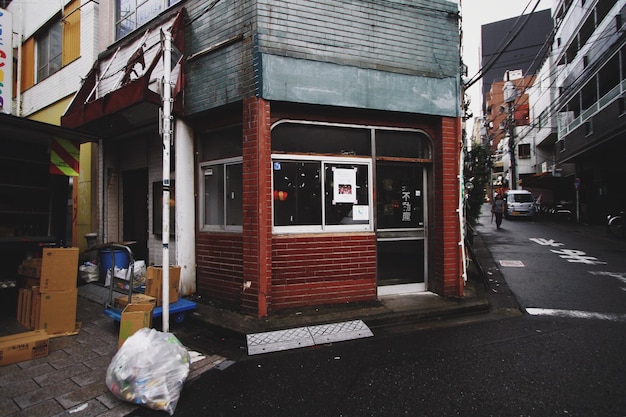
25 374
122 410
8 369
91 408
60 343
19 388
97 375
7 406
81 395
98 362
43 394
46 409
82 351
109 400
58 355
53 377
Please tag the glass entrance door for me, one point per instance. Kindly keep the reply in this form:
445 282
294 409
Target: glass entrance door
400 227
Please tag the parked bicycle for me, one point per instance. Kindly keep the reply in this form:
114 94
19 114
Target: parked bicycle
614 224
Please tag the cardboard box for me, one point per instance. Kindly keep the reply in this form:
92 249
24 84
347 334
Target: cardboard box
122 301
24 307
23 346
56 311
59 269
133 318
154 283
29 270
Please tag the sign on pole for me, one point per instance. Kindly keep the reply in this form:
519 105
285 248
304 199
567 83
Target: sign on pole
6 62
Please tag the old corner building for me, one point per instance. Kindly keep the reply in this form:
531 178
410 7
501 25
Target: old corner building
315 152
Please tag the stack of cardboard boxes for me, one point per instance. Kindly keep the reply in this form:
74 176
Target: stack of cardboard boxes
47 299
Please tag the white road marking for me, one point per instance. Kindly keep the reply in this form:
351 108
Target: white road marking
546 242
576 314
578 256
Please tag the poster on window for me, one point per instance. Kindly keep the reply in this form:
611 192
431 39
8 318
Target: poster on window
344 186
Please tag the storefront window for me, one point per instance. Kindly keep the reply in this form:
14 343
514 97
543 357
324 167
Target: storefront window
321 139
222 178
315 194
223 194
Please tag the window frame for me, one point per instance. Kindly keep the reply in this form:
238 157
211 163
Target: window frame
224 226
43 41
322 227
134 6
527 151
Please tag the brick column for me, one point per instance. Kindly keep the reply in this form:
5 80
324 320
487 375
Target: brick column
257 207
446 233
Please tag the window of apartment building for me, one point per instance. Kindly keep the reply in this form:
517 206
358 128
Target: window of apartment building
603 7
622 54
620 19
588 128
609 76
49 50
131 14
589 94
523 151
221 180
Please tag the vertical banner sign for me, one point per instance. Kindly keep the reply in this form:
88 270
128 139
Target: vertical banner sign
64 157
6 62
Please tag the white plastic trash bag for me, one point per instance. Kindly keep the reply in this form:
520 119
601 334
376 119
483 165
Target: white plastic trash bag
149 369
89 272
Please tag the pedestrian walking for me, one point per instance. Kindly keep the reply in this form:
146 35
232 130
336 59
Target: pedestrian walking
497 208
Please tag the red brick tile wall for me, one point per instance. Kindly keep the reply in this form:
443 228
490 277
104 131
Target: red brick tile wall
219 267
448 278
323 269
257 206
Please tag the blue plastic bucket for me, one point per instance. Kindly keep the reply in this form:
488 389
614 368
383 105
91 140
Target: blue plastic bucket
106 262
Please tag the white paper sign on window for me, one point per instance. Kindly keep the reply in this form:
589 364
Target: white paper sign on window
344 189
360 213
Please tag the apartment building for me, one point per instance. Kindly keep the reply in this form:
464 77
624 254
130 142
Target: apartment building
510 52
589 52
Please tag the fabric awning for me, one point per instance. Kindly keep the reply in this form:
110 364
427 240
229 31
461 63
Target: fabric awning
122 90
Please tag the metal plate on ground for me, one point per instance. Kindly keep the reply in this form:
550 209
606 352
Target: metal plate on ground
278 340
514 264
338 332
306 336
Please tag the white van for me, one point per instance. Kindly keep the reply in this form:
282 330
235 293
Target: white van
519 203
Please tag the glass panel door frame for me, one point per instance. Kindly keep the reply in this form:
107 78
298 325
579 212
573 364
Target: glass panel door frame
406 234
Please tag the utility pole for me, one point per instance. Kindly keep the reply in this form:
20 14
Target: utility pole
510 94
166 40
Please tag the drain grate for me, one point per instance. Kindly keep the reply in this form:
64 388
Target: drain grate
306 336
514 264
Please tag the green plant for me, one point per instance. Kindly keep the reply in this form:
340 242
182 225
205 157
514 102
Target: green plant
476 174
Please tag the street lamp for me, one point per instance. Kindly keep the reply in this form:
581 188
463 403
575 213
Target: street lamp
510 94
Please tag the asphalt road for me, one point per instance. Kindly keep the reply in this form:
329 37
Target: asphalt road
549 363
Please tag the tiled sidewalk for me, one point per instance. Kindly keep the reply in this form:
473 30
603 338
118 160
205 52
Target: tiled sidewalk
70 381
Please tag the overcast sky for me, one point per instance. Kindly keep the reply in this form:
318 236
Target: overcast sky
476 13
